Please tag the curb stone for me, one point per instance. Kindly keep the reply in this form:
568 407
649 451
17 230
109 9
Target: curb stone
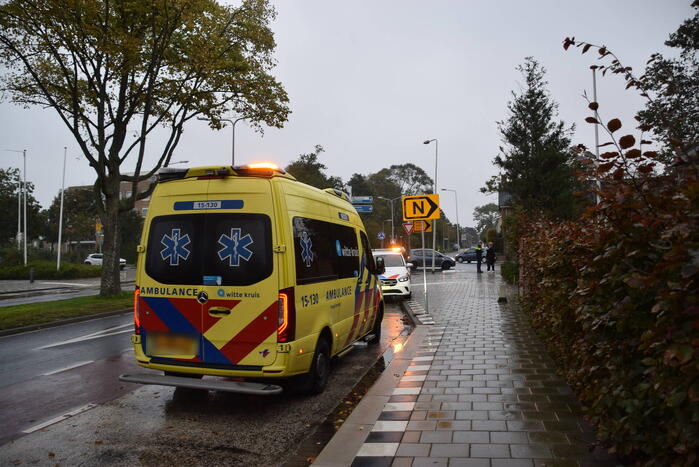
346 443
417 312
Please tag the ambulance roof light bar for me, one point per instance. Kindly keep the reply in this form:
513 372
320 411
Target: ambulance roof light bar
259 168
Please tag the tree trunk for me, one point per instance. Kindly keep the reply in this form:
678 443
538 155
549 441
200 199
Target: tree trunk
111 281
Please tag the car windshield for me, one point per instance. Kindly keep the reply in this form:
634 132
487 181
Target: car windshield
391 261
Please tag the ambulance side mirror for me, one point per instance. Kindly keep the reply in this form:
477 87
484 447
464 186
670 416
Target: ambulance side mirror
380 266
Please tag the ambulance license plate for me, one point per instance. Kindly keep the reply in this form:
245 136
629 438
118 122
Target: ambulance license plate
171 345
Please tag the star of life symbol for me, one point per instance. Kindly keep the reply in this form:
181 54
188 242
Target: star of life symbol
306 249
175 247
235 247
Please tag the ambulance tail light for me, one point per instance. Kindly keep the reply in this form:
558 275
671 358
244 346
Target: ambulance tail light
136 310
286 316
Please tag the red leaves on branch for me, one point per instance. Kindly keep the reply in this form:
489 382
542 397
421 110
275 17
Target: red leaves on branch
593 105
606 167
614 124
591 120
627 141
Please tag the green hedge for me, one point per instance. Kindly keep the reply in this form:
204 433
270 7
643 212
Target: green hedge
615 297
47 270
509 271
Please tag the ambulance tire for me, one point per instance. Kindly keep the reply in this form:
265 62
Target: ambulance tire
376 332
184 375
320 369
316 379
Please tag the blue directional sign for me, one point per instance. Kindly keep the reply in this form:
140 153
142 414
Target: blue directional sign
381 235
364 208
362 199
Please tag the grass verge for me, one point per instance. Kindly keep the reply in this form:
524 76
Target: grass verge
46 312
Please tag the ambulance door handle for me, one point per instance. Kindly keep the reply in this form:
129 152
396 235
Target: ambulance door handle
217 310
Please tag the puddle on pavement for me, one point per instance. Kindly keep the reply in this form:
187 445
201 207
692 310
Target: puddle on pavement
309 449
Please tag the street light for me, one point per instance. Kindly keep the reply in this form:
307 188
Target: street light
178 162
24 193
383 228
458 232
60 215
434 190
232 122
390 201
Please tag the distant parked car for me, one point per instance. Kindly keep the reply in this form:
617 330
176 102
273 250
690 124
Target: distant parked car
95 259
468 255
420 256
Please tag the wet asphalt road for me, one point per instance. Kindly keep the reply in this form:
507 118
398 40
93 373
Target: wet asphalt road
151 425
46 373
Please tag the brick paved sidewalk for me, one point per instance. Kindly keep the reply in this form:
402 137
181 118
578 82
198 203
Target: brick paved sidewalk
480 391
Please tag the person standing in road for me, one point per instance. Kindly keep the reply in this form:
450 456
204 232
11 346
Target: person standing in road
490 257
479 257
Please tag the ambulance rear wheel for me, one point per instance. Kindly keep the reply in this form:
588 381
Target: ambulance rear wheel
320 369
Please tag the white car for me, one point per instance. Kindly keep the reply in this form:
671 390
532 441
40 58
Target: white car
395 281
95 259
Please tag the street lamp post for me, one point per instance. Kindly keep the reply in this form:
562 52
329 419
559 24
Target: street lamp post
60 215
434 190
458 232
383 228
390 201
232 122
24 194
178 162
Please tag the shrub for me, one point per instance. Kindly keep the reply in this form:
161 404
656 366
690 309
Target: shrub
615 296
509 271
47 270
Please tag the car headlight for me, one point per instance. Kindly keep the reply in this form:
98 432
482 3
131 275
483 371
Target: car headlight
404 278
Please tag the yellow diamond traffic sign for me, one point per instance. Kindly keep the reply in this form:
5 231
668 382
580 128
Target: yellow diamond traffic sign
420 207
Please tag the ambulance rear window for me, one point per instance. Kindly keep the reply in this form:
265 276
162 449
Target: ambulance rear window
226 249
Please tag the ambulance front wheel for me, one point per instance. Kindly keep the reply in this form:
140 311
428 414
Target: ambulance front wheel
376 332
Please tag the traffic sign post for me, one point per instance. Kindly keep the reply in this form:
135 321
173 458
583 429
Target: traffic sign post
422 208
408 227
364 207
381 236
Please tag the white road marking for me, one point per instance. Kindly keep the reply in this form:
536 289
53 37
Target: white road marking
67 283
60 418
95 335
69 367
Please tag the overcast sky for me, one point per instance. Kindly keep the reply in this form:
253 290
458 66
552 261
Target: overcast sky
370 80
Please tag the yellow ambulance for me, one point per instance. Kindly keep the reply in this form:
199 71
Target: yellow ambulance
246 273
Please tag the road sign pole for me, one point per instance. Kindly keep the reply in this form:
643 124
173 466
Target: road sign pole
424 273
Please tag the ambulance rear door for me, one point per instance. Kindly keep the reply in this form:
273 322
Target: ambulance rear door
239 279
